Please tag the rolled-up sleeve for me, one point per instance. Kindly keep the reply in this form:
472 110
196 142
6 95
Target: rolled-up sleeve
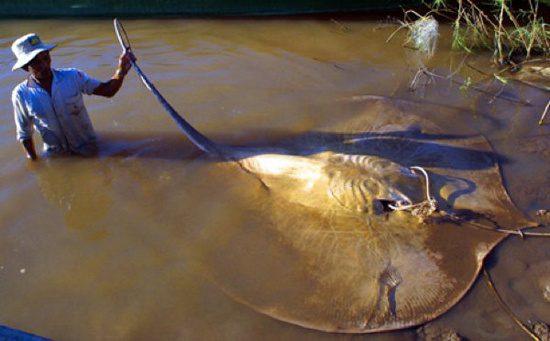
86 83
23 123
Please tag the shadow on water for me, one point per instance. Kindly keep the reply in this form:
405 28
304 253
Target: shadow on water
145 145
410 147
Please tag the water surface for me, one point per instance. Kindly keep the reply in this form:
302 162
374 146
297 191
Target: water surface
117 247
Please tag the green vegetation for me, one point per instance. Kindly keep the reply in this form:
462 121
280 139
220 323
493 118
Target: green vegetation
518 38
513 34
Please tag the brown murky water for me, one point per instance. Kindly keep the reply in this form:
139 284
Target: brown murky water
114 247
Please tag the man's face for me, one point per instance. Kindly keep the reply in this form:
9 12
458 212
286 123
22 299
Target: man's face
40 66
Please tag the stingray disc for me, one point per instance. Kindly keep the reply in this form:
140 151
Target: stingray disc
339 270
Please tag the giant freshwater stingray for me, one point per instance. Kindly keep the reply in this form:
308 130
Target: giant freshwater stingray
392 204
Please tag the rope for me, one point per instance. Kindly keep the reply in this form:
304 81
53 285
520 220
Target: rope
428 206
421 209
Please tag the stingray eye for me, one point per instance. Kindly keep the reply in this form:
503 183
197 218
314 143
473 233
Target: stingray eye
383 205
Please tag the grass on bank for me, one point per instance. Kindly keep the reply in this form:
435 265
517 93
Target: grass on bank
514 34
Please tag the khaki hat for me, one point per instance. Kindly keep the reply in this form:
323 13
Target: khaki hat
26 48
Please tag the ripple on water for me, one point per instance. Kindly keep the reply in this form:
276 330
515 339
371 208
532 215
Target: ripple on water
109 239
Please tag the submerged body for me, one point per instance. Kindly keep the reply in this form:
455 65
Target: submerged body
343 266
359 266
356 266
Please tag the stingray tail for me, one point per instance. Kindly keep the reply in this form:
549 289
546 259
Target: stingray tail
198 139
202 142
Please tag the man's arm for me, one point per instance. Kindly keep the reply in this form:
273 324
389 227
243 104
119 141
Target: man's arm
23 126
28 144
111 87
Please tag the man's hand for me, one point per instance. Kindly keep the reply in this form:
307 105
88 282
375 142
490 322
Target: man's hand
28 145
124 64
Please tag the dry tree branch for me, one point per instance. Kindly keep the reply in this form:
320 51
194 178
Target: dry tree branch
487 19
541 121
425 71
518 232
499 33
503 304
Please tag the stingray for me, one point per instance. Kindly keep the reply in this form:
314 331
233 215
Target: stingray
380 236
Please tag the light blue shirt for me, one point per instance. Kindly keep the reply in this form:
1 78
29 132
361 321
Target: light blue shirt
61 119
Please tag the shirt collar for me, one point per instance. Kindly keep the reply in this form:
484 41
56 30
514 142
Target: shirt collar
31 82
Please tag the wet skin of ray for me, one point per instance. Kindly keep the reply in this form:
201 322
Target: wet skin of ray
391 275
394 271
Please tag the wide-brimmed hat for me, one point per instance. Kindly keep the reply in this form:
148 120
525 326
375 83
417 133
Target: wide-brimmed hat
26 48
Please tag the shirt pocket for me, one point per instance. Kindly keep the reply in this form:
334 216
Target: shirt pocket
74 104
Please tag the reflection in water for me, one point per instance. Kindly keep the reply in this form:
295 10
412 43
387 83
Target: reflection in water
80 190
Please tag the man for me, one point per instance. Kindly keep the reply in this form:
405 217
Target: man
50 100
